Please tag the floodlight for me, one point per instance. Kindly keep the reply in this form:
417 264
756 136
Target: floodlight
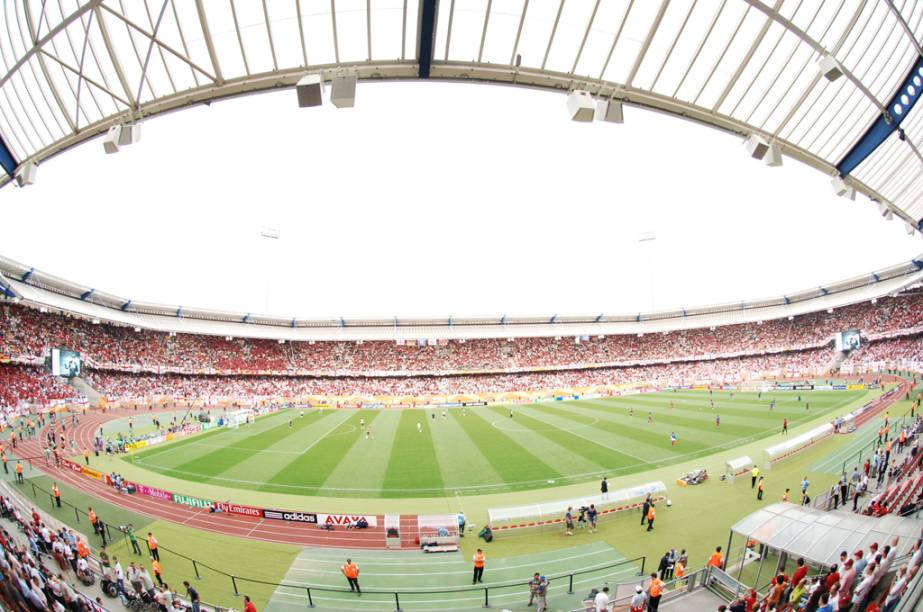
309 91
343 92
757 146
129 134
829 68
111 141
580 106
609 111
773 157
26 174
842 189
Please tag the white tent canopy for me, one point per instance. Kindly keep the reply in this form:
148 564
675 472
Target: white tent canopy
820 536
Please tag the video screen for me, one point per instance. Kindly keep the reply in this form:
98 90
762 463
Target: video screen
848 340
65 362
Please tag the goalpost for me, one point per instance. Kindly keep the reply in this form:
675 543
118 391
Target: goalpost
236 418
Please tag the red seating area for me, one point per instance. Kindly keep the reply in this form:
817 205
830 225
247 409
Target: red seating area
25 332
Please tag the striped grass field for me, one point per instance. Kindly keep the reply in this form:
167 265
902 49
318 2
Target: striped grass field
478 450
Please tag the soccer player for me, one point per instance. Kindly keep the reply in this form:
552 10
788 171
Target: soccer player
511 413
569 521
718 420
651 515
444 414
419 427
362 424
785 427
302 414
650 418
673 438
785 496
759 489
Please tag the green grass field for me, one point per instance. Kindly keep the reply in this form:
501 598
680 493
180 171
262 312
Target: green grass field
478 450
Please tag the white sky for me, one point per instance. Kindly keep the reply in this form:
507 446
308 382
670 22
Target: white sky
438 199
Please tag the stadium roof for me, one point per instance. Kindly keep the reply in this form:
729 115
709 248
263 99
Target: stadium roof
39 289
71 69
820 536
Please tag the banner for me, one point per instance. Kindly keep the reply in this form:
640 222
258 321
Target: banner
855 387
152 492
297 517
91 473
345 519
76 467
193 502
804 387
238 509
823 387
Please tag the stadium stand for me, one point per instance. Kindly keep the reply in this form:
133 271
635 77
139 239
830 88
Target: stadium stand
124 363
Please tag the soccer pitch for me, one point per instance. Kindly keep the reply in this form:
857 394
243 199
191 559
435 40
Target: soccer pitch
478 450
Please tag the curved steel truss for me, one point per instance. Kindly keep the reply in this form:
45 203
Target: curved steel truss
70 69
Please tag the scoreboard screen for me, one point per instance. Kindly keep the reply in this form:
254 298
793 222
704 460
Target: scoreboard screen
848 340
65 362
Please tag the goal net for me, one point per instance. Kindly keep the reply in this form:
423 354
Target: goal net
236 418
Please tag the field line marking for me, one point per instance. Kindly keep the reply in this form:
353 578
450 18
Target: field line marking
314 443
597 442
255 527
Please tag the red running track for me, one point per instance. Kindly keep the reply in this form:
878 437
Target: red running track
268 530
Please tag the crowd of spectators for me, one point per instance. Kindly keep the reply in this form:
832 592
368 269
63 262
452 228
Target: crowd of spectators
126 385
30 384
197 366
35 573
29 333
866 580
903 349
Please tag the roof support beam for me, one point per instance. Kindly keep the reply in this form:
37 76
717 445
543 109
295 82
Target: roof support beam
791 27
33 34
426 41
76 15
110 49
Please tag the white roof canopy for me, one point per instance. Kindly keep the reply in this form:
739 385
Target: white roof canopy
71 69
